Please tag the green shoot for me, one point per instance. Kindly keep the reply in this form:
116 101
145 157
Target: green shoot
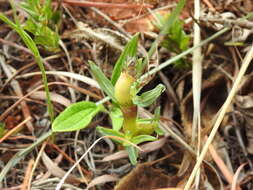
42 23
124 112
175 40
32 46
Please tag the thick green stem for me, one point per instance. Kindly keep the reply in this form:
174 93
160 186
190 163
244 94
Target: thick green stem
130 117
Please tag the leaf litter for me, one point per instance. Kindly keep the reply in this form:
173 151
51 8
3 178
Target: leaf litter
100 41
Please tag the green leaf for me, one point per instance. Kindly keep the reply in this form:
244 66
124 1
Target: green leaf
104 83
2 129
8 21
159 131
117 118
32 46
76 116
147 98
139 68
111 132
29 10
129 52
47 38
142 138
132 154
157 114
168 23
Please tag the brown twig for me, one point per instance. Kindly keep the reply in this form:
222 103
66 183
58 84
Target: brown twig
106 5
209 4
27 175
42 86
67 157
13 130
221 165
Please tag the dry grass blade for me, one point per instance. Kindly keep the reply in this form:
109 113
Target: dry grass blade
41 95
196 86
221 115
25 185
221 165
170 188
146 148
82 78
234 186
59 185
35 164
57 171
102 179
104 5
15 129
17 88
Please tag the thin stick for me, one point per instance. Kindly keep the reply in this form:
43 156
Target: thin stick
59 185
220 163
181 55
35 165
15 129
223 111
25 185
234 186
106 5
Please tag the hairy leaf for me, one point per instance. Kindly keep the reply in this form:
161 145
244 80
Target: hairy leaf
111 132
117 118
132 154
104 83
147 98
142 138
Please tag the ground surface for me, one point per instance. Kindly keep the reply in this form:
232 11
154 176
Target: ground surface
165 163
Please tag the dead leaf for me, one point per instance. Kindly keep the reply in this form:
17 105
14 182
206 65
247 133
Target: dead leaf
57 171
145 177
41 95
102 179
148 147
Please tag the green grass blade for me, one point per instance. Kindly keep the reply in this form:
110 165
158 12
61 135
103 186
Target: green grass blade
129 52
104 83
32 46
168 23
20 155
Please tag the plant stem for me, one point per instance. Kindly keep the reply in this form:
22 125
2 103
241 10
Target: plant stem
181 55
164 31
130 117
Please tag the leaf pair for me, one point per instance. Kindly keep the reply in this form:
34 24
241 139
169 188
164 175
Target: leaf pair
79 115
106 85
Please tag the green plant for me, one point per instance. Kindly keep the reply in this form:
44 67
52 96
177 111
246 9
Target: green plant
175 40
123 89
115 112
43 23
33 48
2 129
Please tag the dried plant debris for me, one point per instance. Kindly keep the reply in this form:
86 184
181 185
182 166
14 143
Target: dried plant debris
244 103
145 177
163 163
104 36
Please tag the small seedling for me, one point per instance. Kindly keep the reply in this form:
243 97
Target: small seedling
123 89
43 23
176 40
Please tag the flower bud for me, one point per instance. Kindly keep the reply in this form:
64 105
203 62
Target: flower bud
122 89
